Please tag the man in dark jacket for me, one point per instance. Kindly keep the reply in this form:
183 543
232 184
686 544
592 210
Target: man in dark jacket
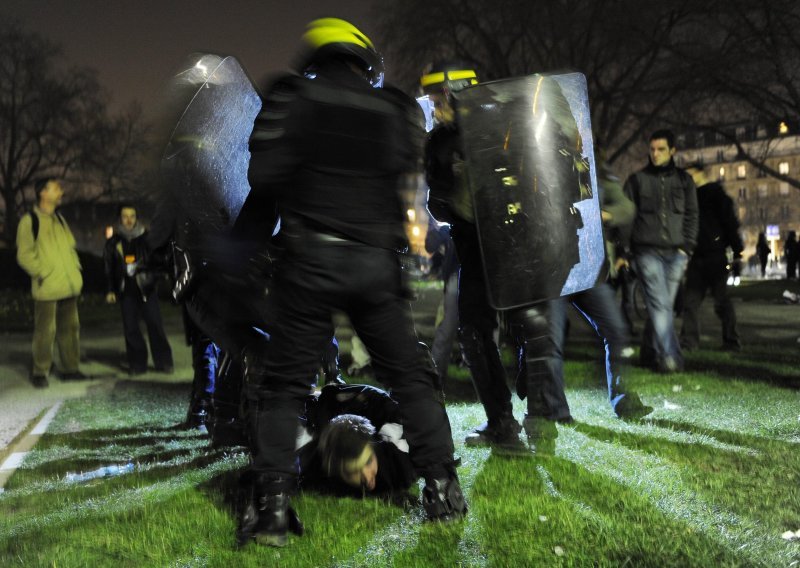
135 286
663 236
719 230
331 149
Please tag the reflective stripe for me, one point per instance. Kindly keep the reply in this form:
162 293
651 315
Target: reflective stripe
333 30
433 78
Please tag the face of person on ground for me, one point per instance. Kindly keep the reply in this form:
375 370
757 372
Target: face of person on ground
660 152
51 194
127 218
362 471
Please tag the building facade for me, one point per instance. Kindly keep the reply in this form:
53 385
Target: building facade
764 203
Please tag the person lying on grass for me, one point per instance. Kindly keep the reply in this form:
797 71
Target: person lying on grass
353 443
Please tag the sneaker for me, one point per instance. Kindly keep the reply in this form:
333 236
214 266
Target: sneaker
39 381
443 499
630 407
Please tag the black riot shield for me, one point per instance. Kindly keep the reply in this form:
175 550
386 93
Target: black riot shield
206 158
530 164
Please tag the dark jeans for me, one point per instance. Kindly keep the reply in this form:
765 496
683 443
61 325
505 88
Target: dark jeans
134 308
704 273
316 277
600 309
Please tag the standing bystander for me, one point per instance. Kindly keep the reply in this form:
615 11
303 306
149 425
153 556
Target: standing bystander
135 285
708 268
663 236
46 251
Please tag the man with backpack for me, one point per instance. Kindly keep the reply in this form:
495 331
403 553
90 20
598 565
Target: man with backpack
46 251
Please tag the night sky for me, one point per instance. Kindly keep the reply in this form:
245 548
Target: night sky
135 44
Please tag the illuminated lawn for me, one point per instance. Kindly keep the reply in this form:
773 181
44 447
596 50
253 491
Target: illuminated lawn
710 480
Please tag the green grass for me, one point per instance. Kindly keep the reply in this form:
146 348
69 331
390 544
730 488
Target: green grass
713 482
711 478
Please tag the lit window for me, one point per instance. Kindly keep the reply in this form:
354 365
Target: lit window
783 128
722 172
742 213
783 188
741 172
783 168
762 190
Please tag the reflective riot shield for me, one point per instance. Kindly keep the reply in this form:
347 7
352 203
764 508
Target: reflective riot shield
206 158
530 165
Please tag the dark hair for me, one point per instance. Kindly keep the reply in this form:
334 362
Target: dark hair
695 166
342 440
41 183
125 205
666 134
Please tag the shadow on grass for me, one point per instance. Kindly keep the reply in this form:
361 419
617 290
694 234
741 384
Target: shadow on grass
760 481
743 367
537 508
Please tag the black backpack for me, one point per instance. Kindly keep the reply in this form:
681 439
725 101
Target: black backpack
35 223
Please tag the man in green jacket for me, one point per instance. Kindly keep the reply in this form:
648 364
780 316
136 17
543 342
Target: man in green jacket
46 251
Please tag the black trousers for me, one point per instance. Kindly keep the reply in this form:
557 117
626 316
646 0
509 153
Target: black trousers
134 308
540 377
704 273
315 277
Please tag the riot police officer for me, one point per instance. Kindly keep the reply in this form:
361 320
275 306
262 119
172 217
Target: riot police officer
450 200
330 149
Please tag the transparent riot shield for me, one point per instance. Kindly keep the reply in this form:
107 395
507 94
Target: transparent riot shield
206 158
530 165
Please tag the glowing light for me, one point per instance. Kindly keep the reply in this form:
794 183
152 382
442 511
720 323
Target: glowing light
203 68
415 230
783 128
412 215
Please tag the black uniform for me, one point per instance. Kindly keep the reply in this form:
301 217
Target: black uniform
538 380
331 152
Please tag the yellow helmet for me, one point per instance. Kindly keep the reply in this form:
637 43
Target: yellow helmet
332 38
449 77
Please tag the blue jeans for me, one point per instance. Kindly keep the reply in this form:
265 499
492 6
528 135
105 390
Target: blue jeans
599 308
660 274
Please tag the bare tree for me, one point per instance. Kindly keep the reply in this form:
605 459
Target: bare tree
54 121
634 57
751 75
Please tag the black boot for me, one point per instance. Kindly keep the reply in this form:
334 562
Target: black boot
443 499
541 433
199 415
266 515
502 431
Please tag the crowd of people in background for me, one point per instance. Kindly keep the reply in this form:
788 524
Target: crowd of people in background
338 206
